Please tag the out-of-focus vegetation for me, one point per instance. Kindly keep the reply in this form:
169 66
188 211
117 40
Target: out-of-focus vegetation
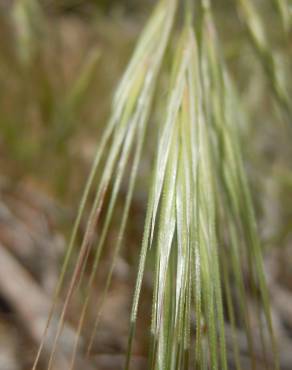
59 64
57 73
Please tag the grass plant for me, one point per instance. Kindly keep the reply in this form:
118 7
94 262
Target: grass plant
200 222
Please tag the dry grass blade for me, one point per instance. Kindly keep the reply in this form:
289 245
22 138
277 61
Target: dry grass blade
198 182
237 205
284 10
200 222
182 198
257 34
129 118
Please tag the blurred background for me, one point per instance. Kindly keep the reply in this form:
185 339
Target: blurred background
60 61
